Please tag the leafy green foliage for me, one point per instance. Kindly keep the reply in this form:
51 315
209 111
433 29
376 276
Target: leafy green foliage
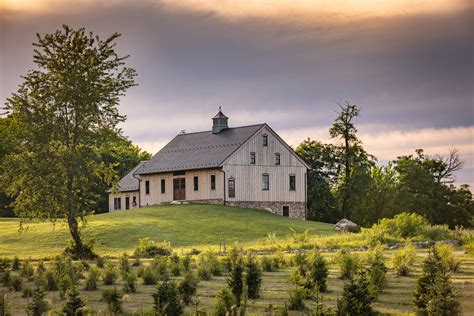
225 299
166 299
109 274
74 303
377 270
148 275
4 305
297 296
403 259
432 266
187 287
235 278
113 298
91 280
349 263
357 298
130 283
253 277
62 115
318 272
148 248
38 305
444 299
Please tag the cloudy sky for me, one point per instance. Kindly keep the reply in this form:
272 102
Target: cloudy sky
408 64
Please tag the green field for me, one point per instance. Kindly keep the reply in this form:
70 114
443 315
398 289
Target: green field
184 226
396 299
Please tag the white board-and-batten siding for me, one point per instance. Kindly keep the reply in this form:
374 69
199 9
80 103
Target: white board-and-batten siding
248 177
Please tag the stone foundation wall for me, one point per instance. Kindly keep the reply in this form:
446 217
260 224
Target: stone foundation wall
297 209
209 201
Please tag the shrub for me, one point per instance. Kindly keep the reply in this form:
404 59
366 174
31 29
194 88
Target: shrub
297 296
148 248
40 267
300 238
27 271
91 281
16 264
65 283
469 248
187 287
160 266
253 277
317 272
377 270
444 299
319 309
6 278
268 264
432 266
130 285
186 263
16 284
4 264
204 270
175 265
436 232
235 279
448 259
149 276
26 292
357 298
349 264
74 303
403 259
225 299
166 300
100 262
4 305
38 305
110 274
124 265
86 252
113 299
404 225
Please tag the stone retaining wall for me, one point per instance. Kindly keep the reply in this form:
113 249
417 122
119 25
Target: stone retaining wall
297 209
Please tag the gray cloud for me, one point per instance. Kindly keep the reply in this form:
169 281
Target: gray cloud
407 72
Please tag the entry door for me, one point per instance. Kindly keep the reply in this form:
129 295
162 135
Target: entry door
286 210
127 203
179 192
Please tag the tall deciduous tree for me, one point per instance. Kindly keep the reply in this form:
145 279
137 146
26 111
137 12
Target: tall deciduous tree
354 160
60 113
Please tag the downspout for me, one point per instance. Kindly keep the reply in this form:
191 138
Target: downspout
222 170
139 186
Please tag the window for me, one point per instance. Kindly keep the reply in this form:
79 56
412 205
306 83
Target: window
117 203
163 186
134 201
196 183
292 182
286 211
277 158
213 181
266 182
252 158
232 188
265 140
147 187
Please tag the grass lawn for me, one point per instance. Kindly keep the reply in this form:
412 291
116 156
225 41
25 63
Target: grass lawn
185 226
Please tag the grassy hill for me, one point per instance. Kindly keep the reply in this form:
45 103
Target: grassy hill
183 225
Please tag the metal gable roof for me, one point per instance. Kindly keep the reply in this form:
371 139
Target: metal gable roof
198 150
130 183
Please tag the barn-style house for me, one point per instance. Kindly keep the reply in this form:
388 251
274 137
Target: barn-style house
248 166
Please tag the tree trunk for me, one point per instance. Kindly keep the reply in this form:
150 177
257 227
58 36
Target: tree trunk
76 236
347 175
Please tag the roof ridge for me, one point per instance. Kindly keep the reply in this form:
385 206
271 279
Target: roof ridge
210 131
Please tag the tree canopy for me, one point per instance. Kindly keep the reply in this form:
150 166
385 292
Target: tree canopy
62 118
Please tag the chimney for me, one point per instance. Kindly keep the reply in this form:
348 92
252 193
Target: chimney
219 122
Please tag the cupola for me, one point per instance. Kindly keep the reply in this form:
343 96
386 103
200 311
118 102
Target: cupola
219 122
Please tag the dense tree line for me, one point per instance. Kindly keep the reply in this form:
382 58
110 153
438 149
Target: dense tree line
346 181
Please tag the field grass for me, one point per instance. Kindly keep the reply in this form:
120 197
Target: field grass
397 298
184 226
